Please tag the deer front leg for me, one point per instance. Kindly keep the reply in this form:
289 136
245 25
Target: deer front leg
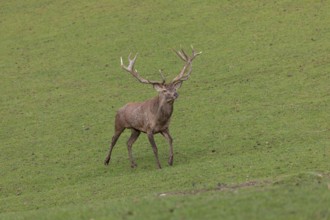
154 147
134 136
113 143
166 134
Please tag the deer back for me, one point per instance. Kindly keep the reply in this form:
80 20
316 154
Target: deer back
150 115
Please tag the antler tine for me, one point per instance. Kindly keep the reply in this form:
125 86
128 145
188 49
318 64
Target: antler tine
132 61
134 72
183 56
188 63
194 53
162 75
185 77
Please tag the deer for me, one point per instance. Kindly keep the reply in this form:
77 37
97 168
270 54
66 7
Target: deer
151 116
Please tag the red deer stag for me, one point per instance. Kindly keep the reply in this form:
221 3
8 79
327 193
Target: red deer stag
151 116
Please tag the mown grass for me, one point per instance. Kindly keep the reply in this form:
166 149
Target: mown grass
255 110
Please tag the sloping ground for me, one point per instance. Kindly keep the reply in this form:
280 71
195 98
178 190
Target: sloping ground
251 126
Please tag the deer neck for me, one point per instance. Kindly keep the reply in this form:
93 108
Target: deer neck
163 109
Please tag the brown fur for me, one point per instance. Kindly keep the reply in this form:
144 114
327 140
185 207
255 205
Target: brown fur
152 116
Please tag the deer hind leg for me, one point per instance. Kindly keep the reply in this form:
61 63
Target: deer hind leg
134 136
168 137
113 143
154 147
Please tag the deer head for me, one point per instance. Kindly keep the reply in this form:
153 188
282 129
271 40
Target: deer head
167 91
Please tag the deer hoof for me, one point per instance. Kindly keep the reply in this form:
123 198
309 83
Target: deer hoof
106 162
133 165
170 161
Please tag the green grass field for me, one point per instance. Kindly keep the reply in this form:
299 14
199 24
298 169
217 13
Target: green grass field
251 127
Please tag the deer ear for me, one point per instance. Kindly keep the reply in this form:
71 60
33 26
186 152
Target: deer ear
177 85
158 87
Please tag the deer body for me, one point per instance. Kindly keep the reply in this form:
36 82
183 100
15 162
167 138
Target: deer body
151 116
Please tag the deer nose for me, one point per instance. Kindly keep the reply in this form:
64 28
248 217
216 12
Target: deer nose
176 95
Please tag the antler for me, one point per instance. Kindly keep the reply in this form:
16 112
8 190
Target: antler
183 56
134 72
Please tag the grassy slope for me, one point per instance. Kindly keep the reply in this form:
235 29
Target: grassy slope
254 111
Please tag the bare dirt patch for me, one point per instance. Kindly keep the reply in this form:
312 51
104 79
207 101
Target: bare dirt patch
219 187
